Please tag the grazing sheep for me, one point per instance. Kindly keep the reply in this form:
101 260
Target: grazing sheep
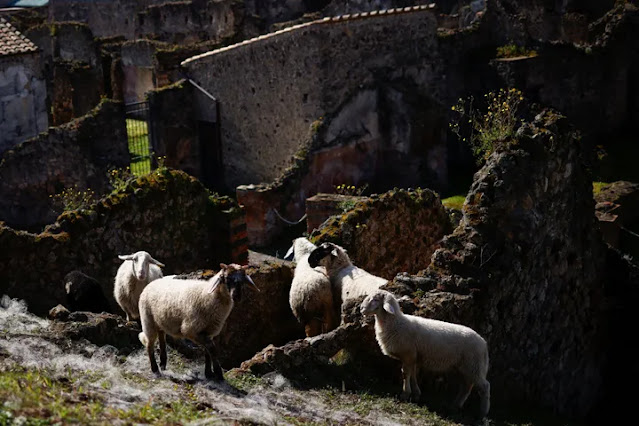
311 296
437 346
191 309
137 270
84 293
349 282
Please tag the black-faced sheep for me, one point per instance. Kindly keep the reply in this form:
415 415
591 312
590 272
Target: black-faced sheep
191 309
311 295
349 282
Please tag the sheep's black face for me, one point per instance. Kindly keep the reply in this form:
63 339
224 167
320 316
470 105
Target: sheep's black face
235 281
320 253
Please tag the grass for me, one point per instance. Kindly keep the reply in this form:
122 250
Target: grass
35 397
138 134
455 202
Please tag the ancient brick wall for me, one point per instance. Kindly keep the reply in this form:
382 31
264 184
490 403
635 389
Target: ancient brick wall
167 213
23 94
78 153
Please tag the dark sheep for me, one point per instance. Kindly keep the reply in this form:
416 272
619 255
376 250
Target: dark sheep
84 293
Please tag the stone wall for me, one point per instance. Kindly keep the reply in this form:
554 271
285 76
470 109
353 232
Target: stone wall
73 68
78 153
292 74
526 269
23 94
171 21
174 126
167 213
388 234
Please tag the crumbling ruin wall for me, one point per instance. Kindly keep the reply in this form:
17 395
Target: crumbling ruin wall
296 79
78 153
392 233
23 93
73 68
525 268
174 126
167 213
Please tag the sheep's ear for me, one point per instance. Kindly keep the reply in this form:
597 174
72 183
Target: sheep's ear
289 253
250 280
245 266
155 262
215 281
334 252
125 256
388 307
223 266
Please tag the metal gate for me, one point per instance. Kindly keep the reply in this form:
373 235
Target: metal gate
139 134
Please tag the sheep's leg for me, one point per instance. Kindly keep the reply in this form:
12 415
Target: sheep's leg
463 393
162 340
417 393
483 388
313 327
408 369
329 322
210 353
150 346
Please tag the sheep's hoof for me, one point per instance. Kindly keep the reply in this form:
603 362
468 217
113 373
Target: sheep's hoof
162 367
404 397
416 397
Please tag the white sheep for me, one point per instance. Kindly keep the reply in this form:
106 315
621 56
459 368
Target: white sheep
311 295
432 345
349 282
137 270
191 309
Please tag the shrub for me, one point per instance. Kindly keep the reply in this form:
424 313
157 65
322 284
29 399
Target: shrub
513 51
484 131
72 199
118 177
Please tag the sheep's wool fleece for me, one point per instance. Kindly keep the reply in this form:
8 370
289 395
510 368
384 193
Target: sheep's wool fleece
185 308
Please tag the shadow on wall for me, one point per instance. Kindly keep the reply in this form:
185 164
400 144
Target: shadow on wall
383 137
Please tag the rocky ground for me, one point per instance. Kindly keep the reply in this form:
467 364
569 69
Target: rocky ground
50 373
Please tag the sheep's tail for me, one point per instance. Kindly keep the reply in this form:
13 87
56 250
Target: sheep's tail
143 339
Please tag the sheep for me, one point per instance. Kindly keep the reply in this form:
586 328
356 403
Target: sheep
191 309
349 282
137 270
311 296
84 293
432 345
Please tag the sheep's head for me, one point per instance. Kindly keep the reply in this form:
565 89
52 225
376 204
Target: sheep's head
234 276
323 254
378 302
300 247
140 262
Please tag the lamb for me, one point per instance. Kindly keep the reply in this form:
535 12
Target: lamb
311 296
191 309
137 270
437 346
349 282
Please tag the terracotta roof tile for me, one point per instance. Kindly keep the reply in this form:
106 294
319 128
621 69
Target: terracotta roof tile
12 42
